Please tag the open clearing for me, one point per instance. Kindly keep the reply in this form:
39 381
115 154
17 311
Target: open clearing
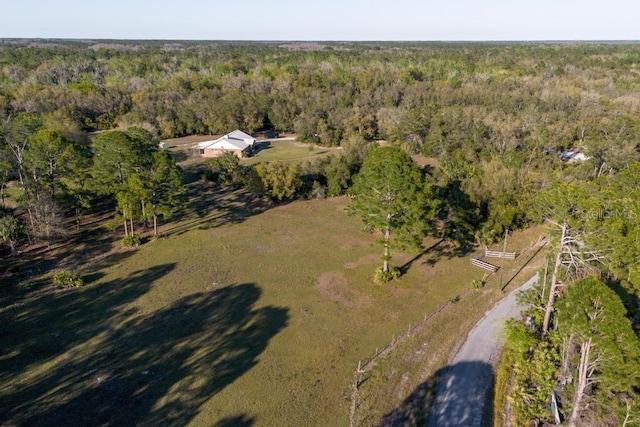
290 151
244 313
284 149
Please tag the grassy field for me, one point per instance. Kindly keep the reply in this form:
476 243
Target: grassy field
290 151
245 313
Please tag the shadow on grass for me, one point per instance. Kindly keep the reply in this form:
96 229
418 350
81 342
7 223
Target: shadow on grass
237 421
211 205
25 280
440 249
90 245
42 329
406 266
449 250
458 402
95 360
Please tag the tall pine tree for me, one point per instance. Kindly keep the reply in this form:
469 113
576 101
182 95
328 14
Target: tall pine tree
392 198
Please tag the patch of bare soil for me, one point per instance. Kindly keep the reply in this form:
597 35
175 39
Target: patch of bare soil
334 287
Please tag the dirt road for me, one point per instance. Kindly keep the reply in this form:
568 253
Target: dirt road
462 393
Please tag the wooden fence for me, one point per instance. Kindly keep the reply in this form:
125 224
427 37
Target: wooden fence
363 368
497 254
485 265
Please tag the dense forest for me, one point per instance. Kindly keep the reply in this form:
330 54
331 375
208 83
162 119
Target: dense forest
492 113
493 117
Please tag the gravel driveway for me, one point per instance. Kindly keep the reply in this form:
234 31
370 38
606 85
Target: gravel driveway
463 390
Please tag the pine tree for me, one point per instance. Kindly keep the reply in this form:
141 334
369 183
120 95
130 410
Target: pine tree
392 198
603 350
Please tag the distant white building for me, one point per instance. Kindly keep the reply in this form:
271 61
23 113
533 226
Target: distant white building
573 157
236 142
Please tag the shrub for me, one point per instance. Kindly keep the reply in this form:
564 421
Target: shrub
67 279
224 168
477 284
131 240
382 276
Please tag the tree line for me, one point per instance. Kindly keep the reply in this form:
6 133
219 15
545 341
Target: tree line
505 109
493 116
59 178
581 345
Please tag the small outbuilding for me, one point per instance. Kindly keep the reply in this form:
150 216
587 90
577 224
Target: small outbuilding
573 157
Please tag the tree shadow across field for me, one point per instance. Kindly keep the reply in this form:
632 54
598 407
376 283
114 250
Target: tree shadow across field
52 324
76 251
138 369
46 325
522 267
407 265
211 205
437 251
420 407
236 421
81 248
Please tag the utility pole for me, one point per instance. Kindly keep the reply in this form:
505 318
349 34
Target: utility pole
504 250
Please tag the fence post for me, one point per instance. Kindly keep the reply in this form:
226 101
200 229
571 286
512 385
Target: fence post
353 416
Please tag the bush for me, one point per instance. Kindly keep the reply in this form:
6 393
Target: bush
247 177
382 276
477 284
131 240
67 279
224 168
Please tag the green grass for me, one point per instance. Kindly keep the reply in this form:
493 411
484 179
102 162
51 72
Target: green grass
242 313
13 192
188 141
503 378
289 151
404 381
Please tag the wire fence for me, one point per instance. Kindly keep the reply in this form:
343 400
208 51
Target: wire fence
363 368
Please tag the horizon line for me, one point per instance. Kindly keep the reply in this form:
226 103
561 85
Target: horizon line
86 39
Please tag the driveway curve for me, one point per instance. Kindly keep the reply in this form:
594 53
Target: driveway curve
462 392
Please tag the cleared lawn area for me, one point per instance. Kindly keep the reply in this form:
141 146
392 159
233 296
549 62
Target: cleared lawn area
289 151
284 150
187 142
243 313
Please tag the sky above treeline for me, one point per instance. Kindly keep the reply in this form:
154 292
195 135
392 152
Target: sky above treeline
323 20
